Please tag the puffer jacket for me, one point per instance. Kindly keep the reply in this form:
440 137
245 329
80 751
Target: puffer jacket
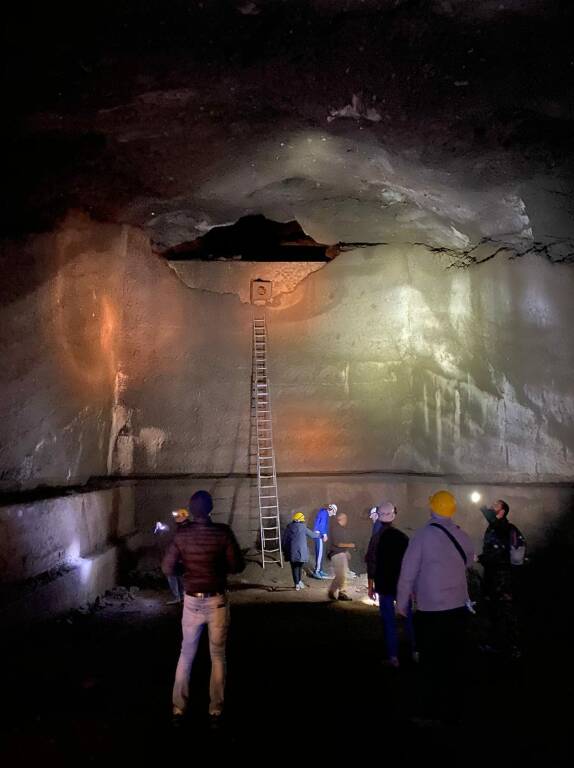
208 551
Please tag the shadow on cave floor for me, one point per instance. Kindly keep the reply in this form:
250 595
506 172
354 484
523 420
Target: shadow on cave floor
305 681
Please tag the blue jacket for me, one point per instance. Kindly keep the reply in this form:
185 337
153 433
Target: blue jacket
322 522
295 546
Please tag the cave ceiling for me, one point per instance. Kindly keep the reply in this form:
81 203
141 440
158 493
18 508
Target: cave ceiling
447 123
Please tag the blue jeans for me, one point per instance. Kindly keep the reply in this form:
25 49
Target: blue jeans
176 586
387 609
212 612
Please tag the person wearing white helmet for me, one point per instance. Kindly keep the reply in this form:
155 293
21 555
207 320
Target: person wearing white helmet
375 516
321 527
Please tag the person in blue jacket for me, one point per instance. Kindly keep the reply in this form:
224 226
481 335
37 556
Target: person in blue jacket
321 528
295 547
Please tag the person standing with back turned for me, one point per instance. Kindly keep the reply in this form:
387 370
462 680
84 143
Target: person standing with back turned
208 551
433 572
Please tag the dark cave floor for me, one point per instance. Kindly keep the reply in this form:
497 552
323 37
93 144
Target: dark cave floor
305 681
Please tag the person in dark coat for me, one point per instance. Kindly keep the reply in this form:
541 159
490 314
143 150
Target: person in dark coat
295 547
501 538
384 559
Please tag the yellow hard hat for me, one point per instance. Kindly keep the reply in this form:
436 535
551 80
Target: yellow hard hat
180 515
298 517
443 503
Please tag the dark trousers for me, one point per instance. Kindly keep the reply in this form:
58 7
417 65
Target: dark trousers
296 569
499 595
442 646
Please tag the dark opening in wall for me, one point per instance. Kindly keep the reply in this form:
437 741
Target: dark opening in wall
254 238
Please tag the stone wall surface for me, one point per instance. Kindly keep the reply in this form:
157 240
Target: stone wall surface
383 360
60 553
538 510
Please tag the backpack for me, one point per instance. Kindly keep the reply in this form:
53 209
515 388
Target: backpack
517 547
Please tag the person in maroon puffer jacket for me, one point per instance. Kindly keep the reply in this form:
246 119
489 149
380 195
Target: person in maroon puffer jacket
208 551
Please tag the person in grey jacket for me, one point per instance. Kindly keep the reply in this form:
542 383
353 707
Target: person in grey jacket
433 574
295 547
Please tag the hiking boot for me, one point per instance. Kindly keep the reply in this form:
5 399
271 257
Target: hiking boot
177 717
216 721
343 596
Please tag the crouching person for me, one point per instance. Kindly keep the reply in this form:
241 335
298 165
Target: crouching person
208 551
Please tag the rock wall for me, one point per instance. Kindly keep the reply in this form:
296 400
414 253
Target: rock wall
383 360
538 510
61 553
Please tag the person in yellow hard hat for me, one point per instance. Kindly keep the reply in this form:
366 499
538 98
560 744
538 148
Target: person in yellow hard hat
433 573
295 547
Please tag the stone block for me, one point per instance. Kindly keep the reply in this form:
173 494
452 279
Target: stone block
74 585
